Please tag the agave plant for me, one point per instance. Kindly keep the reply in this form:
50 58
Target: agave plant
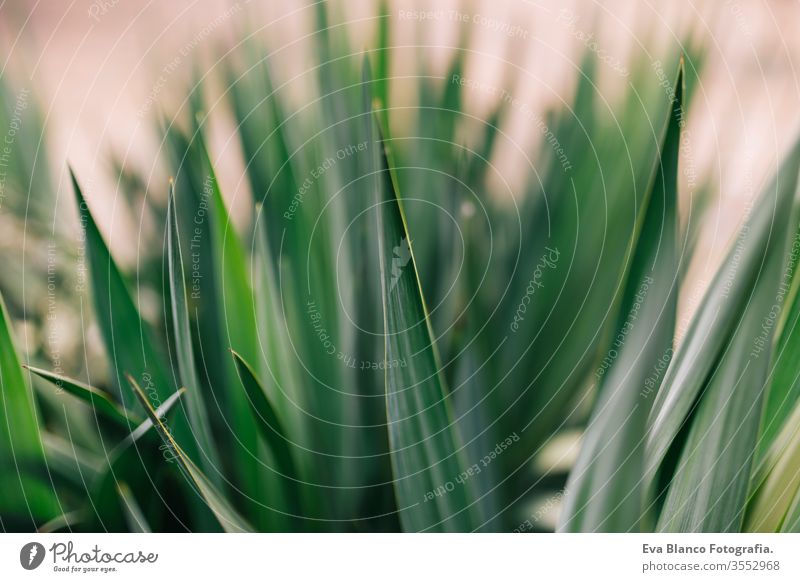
386 344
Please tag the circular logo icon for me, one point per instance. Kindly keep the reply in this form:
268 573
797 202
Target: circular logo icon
31 555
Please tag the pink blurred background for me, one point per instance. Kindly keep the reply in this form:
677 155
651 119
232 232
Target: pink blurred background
102 70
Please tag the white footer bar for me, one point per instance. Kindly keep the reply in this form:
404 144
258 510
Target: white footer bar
407 558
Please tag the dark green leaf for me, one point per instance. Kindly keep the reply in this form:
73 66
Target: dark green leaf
99 400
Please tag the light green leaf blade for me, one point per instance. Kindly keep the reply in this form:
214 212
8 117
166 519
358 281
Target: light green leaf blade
716 317
708 491
777 481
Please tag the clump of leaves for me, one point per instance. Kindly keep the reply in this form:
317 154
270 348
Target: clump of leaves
385 346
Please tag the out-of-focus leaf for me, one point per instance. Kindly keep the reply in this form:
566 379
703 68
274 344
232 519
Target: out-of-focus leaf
28 498
383 54
792 522
605 485
475 427
264 131
569 253
65 458
719 312
63 521
136 519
